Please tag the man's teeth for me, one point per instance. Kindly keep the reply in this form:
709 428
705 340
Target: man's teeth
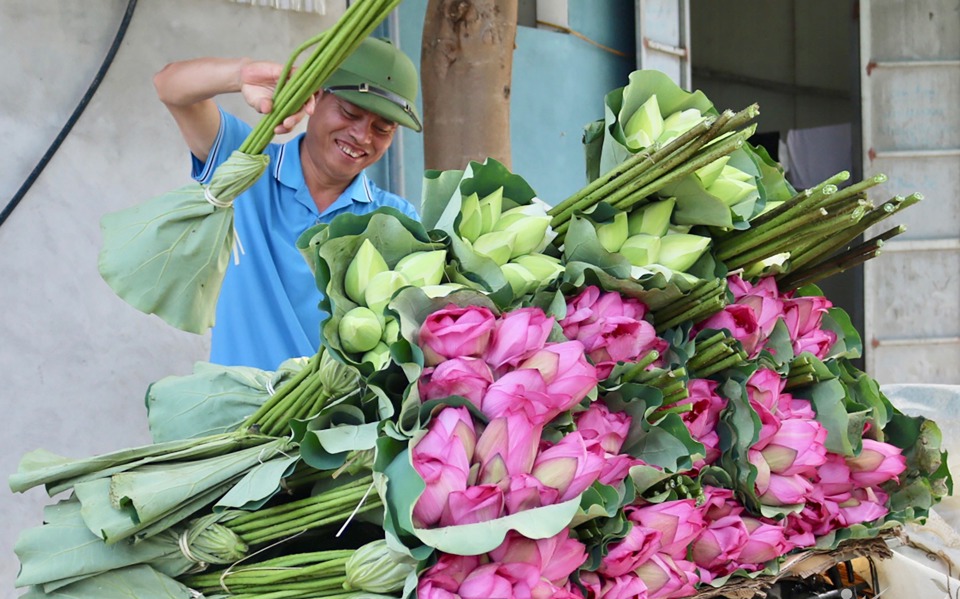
349 152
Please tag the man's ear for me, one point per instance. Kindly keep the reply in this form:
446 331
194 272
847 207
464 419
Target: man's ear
311 103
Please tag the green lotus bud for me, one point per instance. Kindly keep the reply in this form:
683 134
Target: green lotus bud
530 222
490 207
471 223
381 288
613 234
521 280
367 264
423 268
679 123
679 251
544 268
498 246
733 186
337 378
709 173
391 331
360 330
376 568
644 126
773 265
379 356
441 290
641 249
652 218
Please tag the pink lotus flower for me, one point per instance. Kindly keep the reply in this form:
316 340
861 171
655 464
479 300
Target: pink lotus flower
629 553
741 322
455 332
479 503
803 315
525 492
443 579
599 426
796 448
763 298
506 447
466 377
567 466
702 419
816 342
499 580
777 489
522 392
766 541
442 458
555 557
819 516
679 522
718 546
877 463
863 505
565 369
517 334
668 578
833 476
628 586
611 328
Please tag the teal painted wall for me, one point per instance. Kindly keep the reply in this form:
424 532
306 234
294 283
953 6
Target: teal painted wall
559 82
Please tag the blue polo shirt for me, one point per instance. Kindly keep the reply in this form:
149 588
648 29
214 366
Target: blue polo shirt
268 307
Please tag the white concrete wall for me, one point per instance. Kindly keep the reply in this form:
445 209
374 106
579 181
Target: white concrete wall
75 360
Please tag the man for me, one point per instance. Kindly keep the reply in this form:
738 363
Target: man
267 311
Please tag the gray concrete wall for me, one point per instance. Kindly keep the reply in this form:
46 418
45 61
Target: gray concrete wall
75 359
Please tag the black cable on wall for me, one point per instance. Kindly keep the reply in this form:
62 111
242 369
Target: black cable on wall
65 130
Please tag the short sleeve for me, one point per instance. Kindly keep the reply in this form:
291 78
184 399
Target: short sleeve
233 132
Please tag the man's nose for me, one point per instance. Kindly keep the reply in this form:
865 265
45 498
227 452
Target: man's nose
362 129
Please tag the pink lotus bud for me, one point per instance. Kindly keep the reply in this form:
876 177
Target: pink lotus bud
785 490
500 580
679 523
668 578
442 458
863 505
628 586
833 476
556 557
741 322
631 552
441 480
803 315
525 492
455 332
599 426
763 298
877 463
702 419
717 547
517 334
568 375
474 504
507 447
521 391
766 542
466 377
816 342
764 388
443 579
796 448
567 466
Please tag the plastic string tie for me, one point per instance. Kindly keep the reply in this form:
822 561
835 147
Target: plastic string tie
355 510
208 195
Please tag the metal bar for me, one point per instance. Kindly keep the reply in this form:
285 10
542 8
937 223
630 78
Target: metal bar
947 244
665 48
916 153
897 64
906 341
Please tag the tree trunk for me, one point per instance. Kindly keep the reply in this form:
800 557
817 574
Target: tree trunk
466 64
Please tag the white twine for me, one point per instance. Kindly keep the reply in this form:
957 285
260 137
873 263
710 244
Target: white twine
271 391
354 512
237 249
208 195
183 542
229 572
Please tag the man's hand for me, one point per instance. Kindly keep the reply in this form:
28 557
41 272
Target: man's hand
258 83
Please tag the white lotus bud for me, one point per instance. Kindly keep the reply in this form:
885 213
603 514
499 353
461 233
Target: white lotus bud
471 222
652 218
423 268
613 234
360 330
521 280
381 289
679 251
645 125
544 268
679 123
490 208
367 264
641 249
708 174
498 246
379 356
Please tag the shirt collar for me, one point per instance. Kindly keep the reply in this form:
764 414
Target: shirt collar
288 172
